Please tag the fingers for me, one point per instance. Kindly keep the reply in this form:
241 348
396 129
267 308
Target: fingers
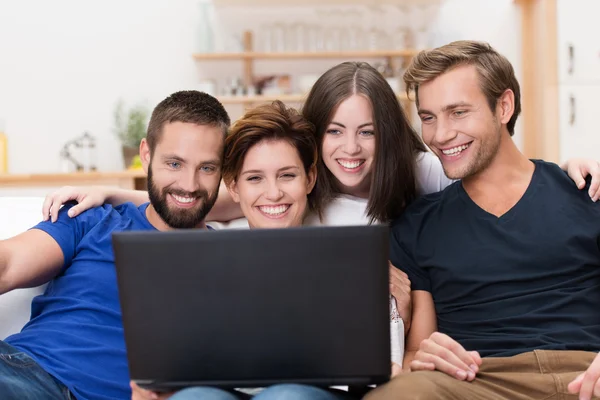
398 277
396 271
417 365
55 200
80 207
399 281
137 393
588 381
449 356
575 385
400 291
579 169
476 357
443 365
396 369
578 176
46 207
59 200
594 191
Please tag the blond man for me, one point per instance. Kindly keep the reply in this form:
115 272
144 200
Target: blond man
505 263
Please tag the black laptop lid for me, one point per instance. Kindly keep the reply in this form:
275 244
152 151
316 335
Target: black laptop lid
238 308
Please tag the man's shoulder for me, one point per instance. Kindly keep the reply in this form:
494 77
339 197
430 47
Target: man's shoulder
549 168
555 185
122 217
431 202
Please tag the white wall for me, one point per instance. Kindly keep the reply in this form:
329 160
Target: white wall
64 63
497 22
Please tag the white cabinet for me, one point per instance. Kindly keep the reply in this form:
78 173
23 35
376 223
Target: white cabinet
578 41
579 130
578 31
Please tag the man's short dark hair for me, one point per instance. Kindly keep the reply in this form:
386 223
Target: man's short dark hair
189 106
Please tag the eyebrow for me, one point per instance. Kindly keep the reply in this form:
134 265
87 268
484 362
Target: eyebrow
360 126
258 171
448 107
172 157
175 157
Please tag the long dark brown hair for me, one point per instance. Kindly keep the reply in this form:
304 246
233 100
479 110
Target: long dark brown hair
397 145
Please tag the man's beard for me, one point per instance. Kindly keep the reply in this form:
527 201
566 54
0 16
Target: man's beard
481 159
181 218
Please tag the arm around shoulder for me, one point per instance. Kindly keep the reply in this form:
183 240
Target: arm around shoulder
29 259
225 209
117 197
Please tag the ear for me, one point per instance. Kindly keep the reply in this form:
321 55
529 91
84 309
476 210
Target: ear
145 155
232 188
312 179
506 106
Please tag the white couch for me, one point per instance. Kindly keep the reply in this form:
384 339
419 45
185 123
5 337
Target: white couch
17 214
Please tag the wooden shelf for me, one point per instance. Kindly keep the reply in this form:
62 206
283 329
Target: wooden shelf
128 179
251 55
295 3
286 98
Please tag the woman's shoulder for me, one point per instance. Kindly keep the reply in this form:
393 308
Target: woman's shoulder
430 176
239 223
343 210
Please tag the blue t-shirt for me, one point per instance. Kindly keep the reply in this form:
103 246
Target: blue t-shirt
503 286
75 332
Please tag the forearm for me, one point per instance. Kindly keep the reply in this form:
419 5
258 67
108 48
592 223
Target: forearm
406 323
119 196
5 285
225 209
28 260
15 272
409 355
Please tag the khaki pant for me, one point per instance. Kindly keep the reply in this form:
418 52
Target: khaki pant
541 375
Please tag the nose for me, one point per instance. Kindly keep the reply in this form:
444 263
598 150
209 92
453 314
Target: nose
351 145
273 192
190 180
444 132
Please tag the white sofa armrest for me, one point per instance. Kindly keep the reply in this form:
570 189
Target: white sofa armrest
17 214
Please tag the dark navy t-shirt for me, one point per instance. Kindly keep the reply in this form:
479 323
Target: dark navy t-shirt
502 286
75 332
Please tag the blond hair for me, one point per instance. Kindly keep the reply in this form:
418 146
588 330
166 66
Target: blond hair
496 73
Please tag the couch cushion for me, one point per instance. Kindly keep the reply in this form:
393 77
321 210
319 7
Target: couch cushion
17 214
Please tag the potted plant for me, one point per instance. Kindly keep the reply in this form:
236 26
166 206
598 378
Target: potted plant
130 127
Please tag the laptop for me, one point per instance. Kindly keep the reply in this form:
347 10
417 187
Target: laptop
252 308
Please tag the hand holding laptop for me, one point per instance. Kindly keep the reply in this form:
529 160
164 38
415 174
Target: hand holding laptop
137 393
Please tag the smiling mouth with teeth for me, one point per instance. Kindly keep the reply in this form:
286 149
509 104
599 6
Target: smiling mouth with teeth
455 151
183 199
350 164
275 210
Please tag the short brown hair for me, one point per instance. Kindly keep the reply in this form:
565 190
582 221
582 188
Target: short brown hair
189 106
496 74
264 123
397 145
